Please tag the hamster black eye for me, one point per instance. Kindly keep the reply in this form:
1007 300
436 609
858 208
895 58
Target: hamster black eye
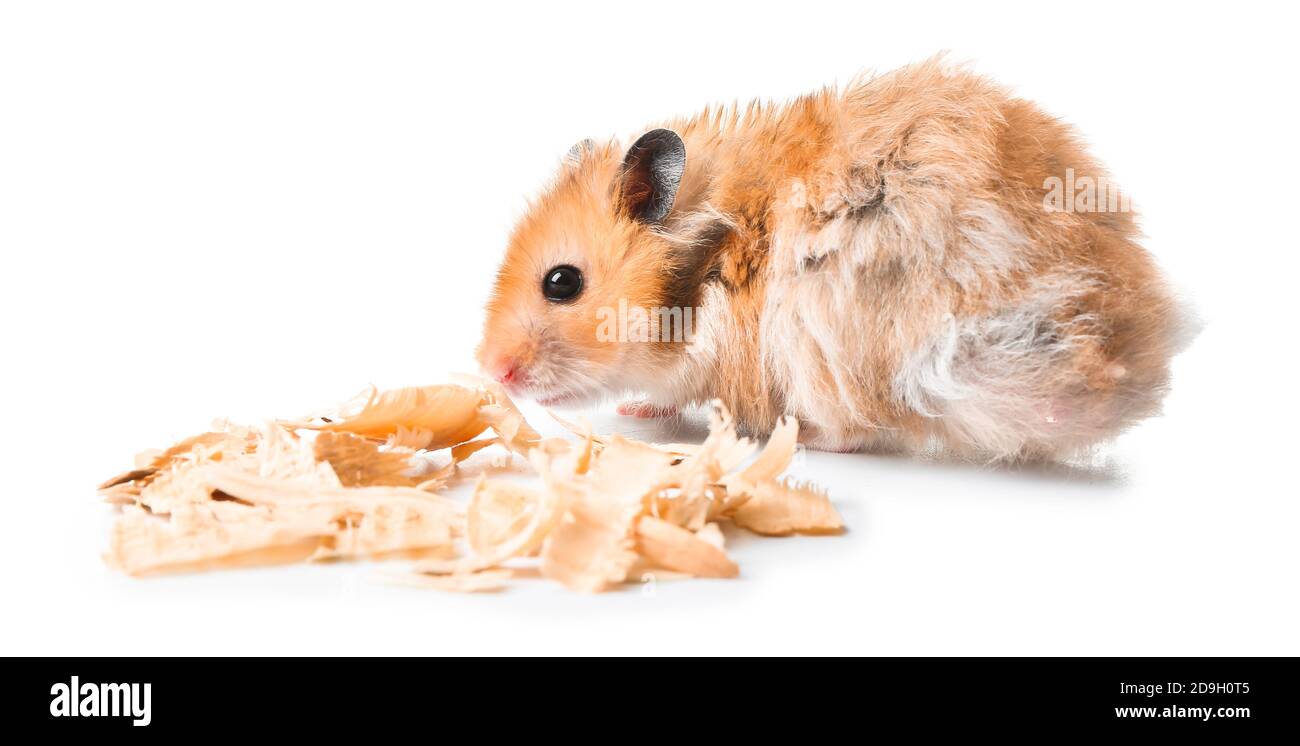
562 283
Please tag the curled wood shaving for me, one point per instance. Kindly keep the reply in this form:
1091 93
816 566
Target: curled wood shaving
507 421
593 547
712 534
676 548
141 544
155 465
680 450
780 508
436 416
776 455
497 546
284 495
358 461
358 484
150 463
465 450
588 556
498 513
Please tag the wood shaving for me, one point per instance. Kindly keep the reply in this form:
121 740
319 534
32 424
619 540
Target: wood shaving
506 421
679 450
358 461
781 508
433 416
690 552
500 513
360 481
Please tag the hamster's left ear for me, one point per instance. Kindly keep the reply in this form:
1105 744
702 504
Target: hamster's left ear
652 172
579 151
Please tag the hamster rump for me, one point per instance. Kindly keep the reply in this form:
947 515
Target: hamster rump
923 288
883 262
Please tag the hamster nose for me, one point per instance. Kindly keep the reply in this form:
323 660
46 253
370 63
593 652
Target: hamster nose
507 371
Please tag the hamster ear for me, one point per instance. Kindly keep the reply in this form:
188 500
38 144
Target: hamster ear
652 171
579 151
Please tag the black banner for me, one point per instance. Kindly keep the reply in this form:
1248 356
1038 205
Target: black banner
239 697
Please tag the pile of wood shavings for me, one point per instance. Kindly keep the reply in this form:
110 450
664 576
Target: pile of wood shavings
364 483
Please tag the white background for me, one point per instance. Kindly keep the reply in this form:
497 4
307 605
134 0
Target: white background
254 209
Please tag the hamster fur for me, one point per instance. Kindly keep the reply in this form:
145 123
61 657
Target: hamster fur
877 261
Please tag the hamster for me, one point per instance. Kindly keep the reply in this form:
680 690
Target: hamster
915 259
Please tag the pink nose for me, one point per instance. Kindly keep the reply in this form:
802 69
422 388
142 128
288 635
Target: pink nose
508 371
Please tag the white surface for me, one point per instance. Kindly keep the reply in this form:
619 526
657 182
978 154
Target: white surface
252 209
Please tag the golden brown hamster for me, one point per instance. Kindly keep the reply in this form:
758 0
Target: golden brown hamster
913 258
